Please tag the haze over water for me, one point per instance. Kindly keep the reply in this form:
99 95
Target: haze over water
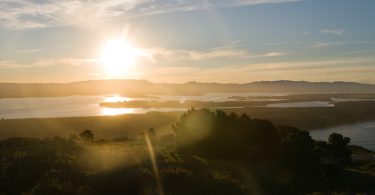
73 106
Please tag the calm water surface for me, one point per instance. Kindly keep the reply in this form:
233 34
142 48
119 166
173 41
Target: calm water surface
301 104
362 134
73 106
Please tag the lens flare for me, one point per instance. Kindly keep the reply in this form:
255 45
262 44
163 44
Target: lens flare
154 164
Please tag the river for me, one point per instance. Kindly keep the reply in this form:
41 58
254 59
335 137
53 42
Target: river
75 106
362 134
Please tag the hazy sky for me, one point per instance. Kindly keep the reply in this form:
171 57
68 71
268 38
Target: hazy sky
186 40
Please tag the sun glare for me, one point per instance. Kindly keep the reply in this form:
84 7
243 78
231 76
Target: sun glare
117 111
118 56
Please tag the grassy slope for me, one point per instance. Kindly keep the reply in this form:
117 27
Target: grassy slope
315 118
103 126
128 125
188 174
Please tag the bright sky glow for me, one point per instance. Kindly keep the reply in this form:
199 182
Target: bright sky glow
118 56
187 40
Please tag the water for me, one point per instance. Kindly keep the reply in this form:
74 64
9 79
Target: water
74 106
214 97
362 134
301 104
350 100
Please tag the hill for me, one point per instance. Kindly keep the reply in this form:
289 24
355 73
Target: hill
143 87
207 153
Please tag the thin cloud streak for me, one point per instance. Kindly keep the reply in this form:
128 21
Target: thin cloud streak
30 51
317 70
10 64
304 70
332 31
229 53
155 56
321 45
26 14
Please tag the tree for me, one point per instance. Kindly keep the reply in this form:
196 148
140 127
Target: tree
240 137
338 146
334 156
296 148
87 135
338 139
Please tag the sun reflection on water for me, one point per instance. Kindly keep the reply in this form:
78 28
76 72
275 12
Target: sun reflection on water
117 111
116 98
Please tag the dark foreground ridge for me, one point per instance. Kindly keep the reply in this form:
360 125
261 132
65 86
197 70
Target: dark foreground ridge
208 153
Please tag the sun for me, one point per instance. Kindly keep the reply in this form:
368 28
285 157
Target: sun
118 56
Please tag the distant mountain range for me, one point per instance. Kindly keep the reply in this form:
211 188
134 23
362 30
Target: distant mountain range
143 87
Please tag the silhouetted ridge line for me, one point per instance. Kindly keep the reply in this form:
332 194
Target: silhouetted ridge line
143 87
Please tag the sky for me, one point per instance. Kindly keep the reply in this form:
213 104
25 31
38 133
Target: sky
175 41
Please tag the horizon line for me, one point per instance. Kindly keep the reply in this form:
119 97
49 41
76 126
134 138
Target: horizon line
188 82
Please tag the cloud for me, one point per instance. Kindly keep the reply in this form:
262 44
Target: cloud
10 64
313 70
30 51
194 55
25 14
253 2
332 31
179 55
357 69
320 45
153 55
309 64
306 33
271 54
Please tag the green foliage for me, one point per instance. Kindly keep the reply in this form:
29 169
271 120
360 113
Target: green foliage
210 153
87 135
24 161
338 146
218 135
193 126
296 149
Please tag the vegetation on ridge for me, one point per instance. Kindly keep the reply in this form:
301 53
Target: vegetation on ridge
209 153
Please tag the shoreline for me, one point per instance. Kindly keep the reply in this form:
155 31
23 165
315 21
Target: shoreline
131 124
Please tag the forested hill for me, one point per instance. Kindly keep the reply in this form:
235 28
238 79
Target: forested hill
207 153
143 87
